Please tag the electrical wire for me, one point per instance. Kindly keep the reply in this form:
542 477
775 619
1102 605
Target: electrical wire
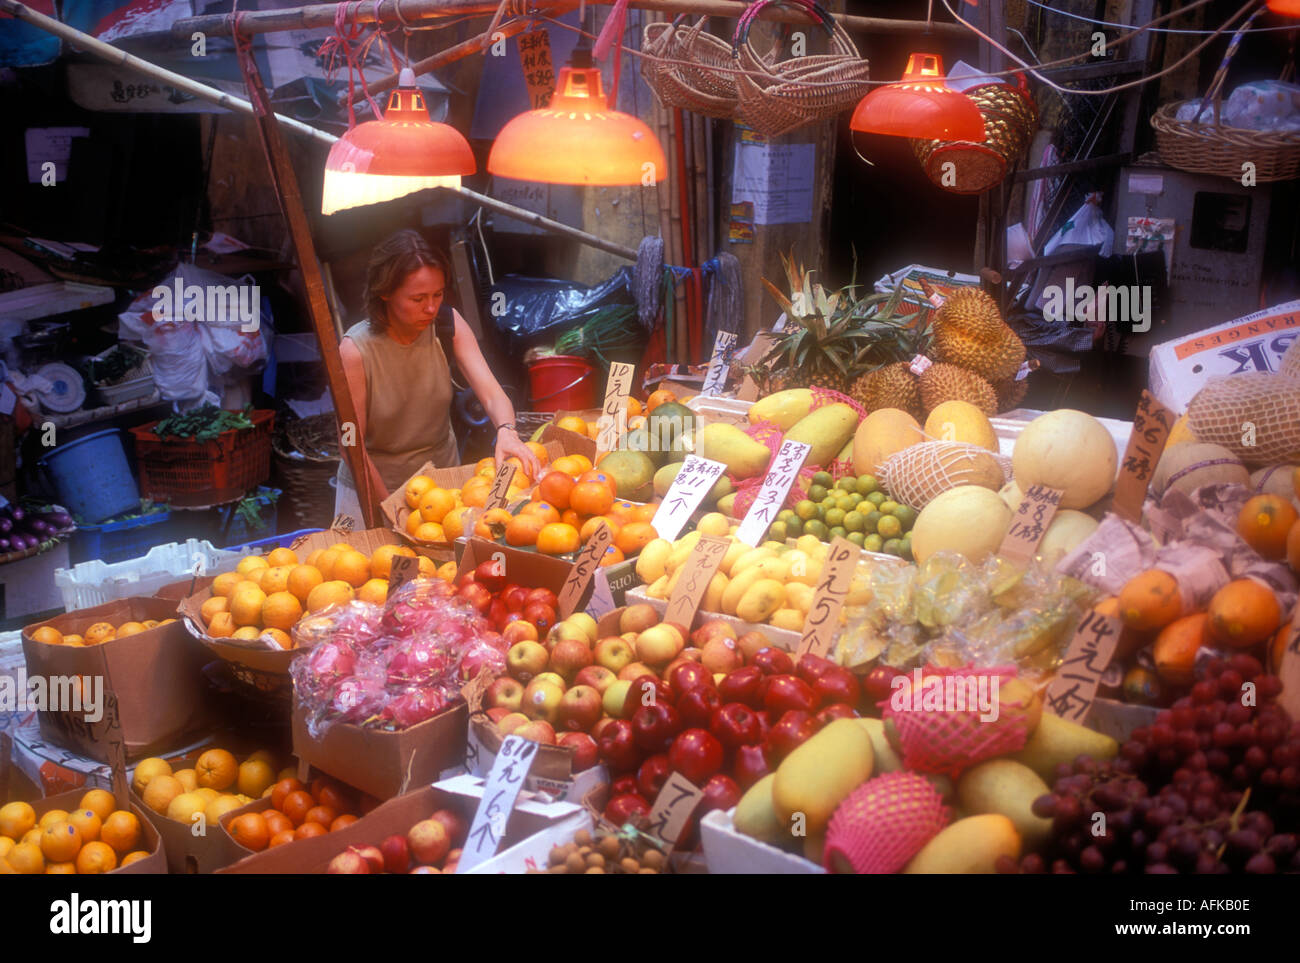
1123 26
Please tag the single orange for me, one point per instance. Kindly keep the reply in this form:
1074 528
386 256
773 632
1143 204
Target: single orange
216 769
225 583
661 397
646 513
485 467
589 527
555 487
60 843
557 539
524 529
308 830
544 510
635 536
1244 613
96 857
134 857
538 449
381 559
572 423
605 478
1150 600
250 831
98 801
321 814
333 795
296 805
416 489
16 818
26 858
327 594
121 830
48 635
281 556
1175 648
282 789
87 823
591 498
347 819
1264 522
633 407
613 555
474 492
281 838
99 633
302 579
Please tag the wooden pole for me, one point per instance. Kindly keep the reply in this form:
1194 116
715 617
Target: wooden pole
385 11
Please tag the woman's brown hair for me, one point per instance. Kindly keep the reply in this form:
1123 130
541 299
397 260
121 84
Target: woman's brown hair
391 263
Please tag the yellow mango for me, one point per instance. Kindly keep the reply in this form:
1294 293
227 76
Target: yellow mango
799 596
791 620
751 557
736 549
777 568
712 599
818 775
970 845
755 817
1058 740
737 588
760 600
886 759
659 588
1009 788
653 560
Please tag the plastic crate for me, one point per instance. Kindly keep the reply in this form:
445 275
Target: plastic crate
191 474
140 384
116 541
264 545
96 582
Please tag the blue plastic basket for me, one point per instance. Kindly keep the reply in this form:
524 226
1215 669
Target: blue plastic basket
264 545
116 541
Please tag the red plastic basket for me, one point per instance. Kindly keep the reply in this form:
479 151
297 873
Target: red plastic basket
193 474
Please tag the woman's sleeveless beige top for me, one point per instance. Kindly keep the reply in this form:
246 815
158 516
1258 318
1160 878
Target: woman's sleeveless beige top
408 403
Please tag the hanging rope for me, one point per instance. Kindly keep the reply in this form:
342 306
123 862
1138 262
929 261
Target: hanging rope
611 35
648 280
346 32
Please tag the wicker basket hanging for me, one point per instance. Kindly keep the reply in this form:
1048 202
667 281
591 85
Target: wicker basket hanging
1216 148
1010 119
776 97
688 67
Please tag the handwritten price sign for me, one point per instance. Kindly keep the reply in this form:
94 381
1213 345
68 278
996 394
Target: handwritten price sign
1030 522
776 485
613 416
404 568
719 364
509 770
700 567
824 616
692 483
672 809
496 497
584 567
1070 695
1151 425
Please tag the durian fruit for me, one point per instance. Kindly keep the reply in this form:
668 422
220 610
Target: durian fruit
889 386
949 382
969 331
1010 393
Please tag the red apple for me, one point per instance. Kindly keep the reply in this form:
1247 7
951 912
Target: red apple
652 775
580 709
543 596
878 683
428 842
742 686
466 579
372 855
811 666
637 618
792 730
720 792
682 633
613 653
497 613
696 754
750 765
585 751
348 863
519 631
634 670
735 724
515 597
837 710
686 674
655 726
750 643
456 826
617 747
477 596
622 785
712 630
397 854
504 693
783 693
596 676
511 722
599 727
524 660
541 615
570 657
647 690
491 574
622 809
696 706
837 684
538 731
692 654
773 661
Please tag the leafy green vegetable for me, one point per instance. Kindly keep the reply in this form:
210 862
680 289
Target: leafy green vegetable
204 424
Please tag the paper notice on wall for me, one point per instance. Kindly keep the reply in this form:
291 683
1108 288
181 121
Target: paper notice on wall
777 179
52 145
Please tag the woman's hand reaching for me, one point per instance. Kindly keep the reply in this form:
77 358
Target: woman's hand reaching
509 445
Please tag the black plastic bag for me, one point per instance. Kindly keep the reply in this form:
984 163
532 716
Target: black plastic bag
539 310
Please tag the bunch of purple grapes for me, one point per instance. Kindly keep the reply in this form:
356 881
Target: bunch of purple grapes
1170 803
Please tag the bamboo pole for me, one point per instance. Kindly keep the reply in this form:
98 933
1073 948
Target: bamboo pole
386 11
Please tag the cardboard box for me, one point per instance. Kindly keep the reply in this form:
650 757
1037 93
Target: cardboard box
570 442
522 567
727 851
461 793
1255 343
186 587
396 511
150 842
188 852
155 675
384 764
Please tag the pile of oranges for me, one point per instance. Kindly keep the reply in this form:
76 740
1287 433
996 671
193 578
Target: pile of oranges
96 837
297 811
217 783
265 596
97 634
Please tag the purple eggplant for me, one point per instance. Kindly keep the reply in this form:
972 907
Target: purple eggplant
60 520
38 526
5 548
17 514
6 526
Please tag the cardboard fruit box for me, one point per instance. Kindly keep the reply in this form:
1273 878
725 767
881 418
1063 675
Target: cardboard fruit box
397 816
155 676
150 841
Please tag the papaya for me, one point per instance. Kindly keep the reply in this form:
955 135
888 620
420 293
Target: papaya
743 456
782 408
817 776
827 429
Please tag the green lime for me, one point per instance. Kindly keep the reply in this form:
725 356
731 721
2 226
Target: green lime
816 528
784 515
905 514
847 484
905 548
870 521
793 527
855 521
806 509
892 546
823 478
867 484
816 492
875 498
856 498
834 516
838 532
889 526
830 501
845 502
887 506
778 531
872 543
857 538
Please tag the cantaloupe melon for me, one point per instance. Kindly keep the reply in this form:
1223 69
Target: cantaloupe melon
1066 449
881 434
968 519
961 421
1189 466
1274 480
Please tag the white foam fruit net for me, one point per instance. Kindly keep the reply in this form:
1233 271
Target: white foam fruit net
920 473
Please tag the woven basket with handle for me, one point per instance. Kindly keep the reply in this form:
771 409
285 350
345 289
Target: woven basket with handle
1215 148
690 68
775 97
1010 118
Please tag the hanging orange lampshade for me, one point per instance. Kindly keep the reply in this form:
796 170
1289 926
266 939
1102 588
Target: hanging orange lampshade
920 106
1289 7
578 139
404 152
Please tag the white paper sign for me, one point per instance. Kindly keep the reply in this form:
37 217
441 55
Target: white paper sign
693 482
777 179
509 770
720 364
52 144
784 470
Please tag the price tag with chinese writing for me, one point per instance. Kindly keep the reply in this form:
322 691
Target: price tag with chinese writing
697 476
613 413
824 616
113 736
404 568
719 364
535 60
1029 522
584 567
697 571
509 770
1151 424
496 497
1071 693
672 809
784 470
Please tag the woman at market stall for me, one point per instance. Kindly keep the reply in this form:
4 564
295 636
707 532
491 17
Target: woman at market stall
401 378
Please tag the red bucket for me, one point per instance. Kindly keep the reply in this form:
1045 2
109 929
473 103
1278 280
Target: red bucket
562 383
